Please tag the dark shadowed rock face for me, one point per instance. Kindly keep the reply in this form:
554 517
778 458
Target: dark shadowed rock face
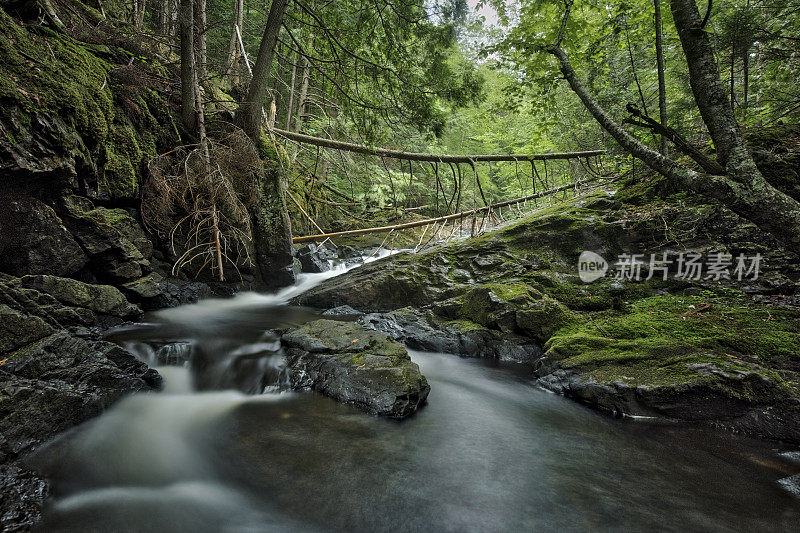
117 246
33 240
55 373
154 291
353 365
314 258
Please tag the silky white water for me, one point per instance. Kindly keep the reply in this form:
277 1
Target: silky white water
490 452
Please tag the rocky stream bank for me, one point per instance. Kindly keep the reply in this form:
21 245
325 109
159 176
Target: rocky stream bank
76 136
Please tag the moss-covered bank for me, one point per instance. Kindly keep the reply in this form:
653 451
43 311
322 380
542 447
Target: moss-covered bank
722 352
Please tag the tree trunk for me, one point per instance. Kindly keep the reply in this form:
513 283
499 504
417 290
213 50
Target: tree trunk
301 101
188 74
163 18
200 38
140 12
662 86
234 51
248 115
743 188
633 68
272 232
290 105
173 20
301 104
713 102
745 77
733 78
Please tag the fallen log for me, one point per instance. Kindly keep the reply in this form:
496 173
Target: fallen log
414 156
428 221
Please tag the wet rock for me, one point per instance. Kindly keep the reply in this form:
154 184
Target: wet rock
314 258
61 380
34 240
791 484
425 331
383 285
175 353
154 291
342 310
23 493
101 299
353 365
55 373
18 329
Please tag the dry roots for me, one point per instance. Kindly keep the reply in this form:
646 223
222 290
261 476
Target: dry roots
201 204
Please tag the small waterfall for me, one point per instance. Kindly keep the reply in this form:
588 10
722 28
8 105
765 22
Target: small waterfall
227 344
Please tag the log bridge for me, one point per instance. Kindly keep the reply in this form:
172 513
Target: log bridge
434 158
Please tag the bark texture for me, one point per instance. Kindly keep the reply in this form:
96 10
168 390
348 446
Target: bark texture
662 85
188 74
200 38
272 232
250 109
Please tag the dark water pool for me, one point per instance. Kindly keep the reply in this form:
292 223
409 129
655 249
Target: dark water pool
490 452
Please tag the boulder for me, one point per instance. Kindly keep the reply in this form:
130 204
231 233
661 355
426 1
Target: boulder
385 285
115 243
314 258
18 329
154 291
101 299
354 365
422 330
64 302
34 240
60 381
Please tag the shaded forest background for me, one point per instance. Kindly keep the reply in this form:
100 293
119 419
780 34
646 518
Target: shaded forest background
431 76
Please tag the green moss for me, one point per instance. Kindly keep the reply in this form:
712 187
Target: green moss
514 291
463 326
65 87
541 319
658 339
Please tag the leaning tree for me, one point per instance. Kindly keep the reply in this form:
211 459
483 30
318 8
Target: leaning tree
731 177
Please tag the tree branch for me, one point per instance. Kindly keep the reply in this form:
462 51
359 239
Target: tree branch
680 142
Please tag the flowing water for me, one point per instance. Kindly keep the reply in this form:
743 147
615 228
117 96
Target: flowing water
490 452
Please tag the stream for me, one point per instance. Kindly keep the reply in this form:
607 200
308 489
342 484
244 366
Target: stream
490 452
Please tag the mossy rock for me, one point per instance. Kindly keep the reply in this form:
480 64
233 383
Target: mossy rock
687 357
18 329
115 242
541 319
355 365
102 299
64 117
